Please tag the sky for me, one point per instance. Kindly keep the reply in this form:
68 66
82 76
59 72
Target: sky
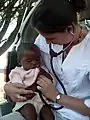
3 57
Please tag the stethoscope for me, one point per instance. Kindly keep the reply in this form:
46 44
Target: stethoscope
54 54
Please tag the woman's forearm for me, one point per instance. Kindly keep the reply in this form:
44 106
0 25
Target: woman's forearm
50 92
74 104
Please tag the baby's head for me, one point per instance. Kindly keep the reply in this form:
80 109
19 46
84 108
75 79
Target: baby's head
28 56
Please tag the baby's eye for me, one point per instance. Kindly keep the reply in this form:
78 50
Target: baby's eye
37 59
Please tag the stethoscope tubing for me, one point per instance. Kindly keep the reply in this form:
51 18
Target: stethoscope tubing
54 54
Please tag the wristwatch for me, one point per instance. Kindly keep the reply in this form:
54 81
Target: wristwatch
58 97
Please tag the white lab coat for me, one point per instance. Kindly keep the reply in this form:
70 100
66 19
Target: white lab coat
74 72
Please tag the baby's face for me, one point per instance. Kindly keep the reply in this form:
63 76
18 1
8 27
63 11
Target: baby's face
30 60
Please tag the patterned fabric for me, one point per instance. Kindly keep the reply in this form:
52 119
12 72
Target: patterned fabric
19 75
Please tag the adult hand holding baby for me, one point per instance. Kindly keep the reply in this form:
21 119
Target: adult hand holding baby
14 91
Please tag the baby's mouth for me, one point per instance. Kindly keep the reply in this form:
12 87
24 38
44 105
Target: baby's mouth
34 66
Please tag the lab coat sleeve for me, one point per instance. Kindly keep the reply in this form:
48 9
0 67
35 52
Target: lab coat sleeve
87 100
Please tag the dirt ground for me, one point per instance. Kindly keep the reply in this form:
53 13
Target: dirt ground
2 83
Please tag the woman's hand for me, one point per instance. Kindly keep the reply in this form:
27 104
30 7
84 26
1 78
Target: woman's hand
47 88
14 91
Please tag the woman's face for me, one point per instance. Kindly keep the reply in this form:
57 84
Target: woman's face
58 38
30 60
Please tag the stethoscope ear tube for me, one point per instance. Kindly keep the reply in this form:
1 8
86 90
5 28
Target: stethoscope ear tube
51 61
54 54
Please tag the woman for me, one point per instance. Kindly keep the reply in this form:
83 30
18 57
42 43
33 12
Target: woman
56 21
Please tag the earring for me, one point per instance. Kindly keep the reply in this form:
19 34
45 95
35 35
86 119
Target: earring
72 33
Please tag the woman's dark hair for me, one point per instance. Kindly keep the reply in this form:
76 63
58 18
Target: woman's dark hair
56 15
26 47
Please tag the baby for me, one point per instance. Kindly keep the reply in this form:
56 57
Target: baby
28 56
